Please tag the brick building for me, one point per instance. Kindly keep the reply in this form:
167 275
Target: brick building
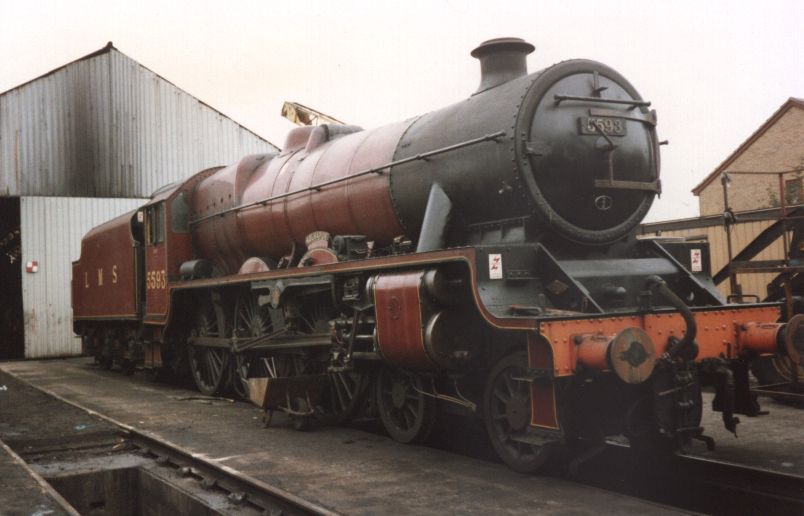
778 145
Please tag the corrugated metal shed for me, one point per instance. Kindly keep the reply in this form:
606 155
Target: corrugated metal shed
51 231
106 126
84 143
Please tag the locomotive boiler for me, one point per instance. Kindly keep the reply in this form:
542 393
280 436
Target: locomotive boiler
523 150
480 257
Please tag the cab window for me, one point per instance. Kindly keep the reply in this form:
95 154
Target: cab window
180 214
155 223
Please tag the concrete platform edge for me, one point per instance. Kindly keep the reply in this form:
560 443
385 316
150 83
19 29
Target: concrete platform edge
128 428
47 488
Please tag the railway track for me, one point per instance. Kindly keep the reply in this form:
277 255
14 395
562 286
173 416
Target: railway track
733 488
686 482
240 493
689 482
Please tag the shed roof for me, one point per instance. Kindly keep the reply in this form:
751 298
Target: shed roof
792 102
104 125
108 48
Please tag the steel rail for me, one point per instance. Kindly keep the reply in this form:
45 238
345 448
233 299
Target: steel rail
702 484
741 487
242 488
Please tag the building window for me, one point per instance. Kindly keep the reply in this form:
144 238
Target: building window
792 191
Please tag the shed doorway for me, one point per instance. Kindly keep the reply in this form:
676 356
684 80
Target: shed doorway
12 328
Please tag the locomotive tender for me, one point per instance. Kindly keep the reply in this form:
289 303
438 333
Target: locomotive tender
482 256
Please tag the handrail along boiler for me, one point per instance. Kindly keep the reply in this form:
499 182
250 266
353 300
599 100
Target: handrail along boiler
482 256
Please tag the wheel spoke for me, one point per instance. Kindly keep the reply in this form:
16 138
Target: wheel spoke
343 380
212 367
509 385
204 363
270 365
339 393
522 388
409 418
204 372
502 396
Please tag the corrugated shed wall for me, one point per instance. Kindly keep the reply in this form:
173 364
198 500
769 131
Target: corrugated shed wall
742 233
51 231
54 137
81 145
162 134
106 126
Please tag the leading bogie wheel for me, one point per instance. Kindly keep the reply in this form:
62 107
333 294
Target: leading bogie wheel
407 413
507 414
209 365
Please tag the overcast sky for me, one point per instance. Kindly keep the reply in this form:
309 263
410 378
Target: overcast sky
714 70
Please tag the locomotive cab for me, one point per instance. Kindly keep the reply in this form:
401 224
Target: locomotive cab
167 244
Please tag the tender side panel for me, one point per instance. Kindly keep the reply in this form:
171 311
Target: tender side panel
104 278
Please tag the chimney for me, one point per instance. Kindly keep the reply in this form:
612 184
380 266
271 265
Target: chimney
501 60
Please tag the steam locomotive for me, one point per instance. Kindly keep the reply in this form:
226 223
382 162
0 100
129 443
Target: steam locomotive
481 257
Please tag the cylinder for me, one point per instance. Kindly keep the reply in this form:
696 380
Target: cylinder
453 339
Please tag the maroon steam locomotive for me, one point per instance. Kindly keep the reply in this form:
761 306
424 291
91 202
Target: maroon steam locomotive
482 256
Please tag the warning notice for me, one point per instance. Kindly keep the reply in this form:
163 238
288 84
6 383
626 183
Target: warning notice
696 260
495 266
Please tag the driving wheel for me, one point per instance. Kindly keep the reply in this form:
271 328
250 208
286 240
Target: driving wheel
250 320
345 393
209 365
